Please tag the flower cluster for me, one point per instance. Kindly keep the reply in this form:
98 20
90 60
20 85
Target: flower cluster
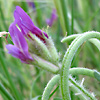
31 44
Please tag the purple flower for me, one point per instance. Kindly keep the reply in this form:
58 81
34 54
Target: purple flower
52 19
31 4
22 28
41 50
20 47
26 24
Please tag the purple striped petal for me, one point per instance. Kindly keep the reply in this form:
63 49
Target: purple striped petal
18 20
35 30
15 52
20 14
19 41
26 25
13 35
18 38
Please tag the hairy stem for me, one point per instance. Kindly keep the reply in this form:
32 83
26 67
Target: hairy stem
82 89
50 86
77 91
66 63
82 71
75 87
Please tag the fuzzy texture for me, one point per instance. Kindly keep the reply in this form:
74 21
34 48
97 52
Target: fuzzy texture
23 31
20 29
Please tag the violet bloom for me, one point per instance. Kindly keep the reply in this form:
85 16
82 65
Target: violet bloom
20 29
26 25
52 19
20 47
31 3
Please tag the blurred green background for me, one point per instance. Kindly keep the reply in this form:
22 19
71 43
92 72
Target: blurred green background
81 16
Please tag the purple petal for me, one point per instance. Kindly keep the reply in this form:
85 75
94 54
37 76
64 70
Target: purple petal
54 15
24 30
22 17
31 4
48 21
15 52
20 14
26 25
12 34
18 38
35 30
52 19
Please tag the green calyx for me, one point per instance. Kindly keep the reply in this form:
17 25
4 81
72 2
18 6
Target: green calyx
46 51
52 50
45 64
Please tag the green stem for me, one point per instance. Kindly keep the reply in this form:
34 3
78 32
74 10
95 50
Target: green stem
61 18
82 89
85 71
45 64
73 85
65 14
96 42
76 90
14 90
53 92
50 86
72 15
68 73
66 63
33 84
70 38
4 91
82 71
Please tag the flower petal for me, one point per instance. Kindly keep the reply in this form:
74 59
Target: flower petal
20 14
12 34
15 52
26 25
52 19
18 38
35 30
